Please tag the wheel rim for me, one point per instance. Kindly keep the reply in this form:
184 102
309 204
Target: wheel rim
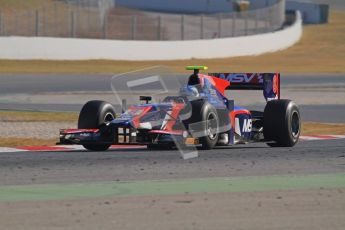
295 126
211 126
108 117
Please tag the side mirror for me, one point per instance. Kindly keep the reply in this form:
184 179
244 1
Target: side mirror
147 99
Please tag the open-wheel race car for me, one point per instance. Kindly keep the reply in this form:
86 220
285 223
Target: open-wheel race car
200 115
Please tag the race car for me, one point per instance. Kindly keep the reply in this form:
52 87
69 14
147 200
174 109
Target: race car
200 115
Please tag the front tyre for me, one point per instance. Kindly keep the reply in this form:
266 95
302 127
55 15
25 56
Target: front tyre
211 124
282 123
98 147
163 146
92 116
205 122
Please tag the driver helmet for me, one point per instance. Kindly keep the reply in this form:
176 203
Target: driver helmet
189 90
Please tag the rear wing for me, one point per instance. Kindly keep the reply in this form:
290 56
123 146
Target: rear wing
268 82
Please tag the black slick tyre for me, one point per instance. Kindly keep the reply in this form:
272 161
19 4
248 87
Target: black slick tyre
282 123
205 122
165 146
92 116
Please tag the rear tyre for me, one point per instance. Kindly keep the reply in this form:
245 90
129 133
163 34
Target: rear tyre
92 116
282 123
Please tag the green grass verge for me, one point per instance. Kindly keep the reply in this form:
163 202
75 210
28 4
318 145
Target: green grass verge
171 187
36 116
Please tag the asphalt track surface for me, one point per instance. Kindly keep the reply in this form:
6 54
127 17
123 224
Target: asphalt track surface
68 92
307 157
38 83
56 176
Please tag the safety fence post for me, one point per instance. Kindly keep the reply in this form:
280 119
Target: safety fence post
43 21
219 25
159 21
88 16
270 10
72 24
37 23
266 22
134 26
105 27
233 33
246 23
182 27
202 27
0 23
256 21
15 32
55 13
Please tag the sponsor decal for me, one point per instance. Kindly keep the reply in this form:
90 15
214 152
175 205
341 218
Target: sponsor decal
253 78
247 125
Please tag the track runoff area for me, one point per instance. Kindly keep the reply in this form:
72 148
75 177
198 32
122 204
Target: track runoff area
48 173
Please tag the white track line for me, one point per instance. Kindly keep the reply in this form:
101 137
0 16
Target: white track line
10 150
321 137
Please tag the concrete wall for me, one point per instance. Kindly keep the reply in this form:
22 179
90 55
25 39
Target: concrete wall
190 6
84 49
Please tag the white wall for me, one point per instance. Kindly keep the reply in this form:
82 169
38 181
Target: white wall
24 48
